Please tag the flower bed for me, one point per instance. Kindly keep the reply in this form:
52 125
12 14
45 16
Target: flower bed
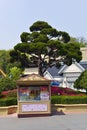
64 91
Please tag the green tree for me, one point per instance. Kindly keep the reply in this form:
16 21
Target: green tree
4 59
43 46
81 82
6 83
9 82
72 51
15 73
81 41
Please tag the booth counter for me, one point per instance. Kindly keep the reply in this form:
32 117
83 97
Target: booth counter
33 94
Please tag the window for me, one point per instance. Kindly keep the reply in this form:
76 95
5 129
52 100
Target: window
30 93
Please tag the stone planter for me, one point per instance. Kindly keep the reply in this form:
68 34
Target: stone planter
8 110
69 108
55 108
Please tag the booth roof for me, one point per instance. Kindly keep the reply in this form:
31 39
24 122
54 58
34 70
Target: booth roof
32 78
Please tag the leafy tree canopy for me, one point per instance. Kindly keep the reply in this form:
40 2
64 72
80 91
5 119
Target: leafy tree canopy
15 73
44 46
7 83
4 59
81 41
81 82
5 63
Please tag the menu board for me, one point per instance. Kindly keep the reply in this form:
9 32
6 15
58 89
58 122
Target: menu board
34 107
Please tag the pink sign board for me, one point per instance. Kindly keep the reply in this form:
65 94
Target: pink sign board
34 107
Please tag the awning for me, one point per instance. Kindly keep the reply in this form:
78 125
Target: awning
55 83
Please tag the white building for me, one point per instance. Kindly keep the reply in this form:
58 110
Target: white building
66 75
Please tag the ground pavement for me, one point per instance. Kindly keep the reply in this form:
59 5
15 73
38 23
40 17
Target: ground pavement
61 121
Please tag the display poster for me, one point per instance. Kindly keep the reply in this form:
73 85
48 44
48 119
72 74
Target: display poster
34 107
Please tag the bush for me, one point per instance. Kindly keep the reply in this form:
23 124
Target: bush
69 99
62 91
8 101
7 83
1 95
10 93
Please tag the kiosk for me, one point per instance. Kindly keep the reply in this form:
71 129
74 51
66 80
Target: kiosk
33 94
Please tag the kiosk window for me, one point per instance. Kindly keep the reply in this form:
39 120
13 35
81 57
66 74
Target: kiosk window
33 93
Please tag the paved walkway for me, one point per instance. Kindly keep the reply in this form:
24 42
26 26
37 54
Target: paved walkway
68 121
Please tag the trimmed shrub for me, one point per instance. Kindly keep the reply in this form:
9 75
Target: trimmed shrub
69 99
8 101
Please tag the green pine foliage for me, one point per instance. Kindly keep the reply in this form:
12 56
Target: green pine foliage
81 82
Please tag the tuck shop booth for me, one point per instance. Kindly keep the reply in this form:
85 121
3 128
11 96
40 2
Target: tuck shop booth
33 93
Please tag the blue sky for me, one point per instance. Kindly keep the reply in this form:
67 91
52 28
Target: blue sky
16 16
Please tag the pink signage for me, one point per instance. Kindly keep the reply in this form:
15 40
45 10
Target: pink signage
34 107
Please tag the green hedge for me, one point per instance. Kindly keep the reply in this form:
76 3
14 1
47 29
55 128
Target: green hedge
8 101
69 99
54 100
